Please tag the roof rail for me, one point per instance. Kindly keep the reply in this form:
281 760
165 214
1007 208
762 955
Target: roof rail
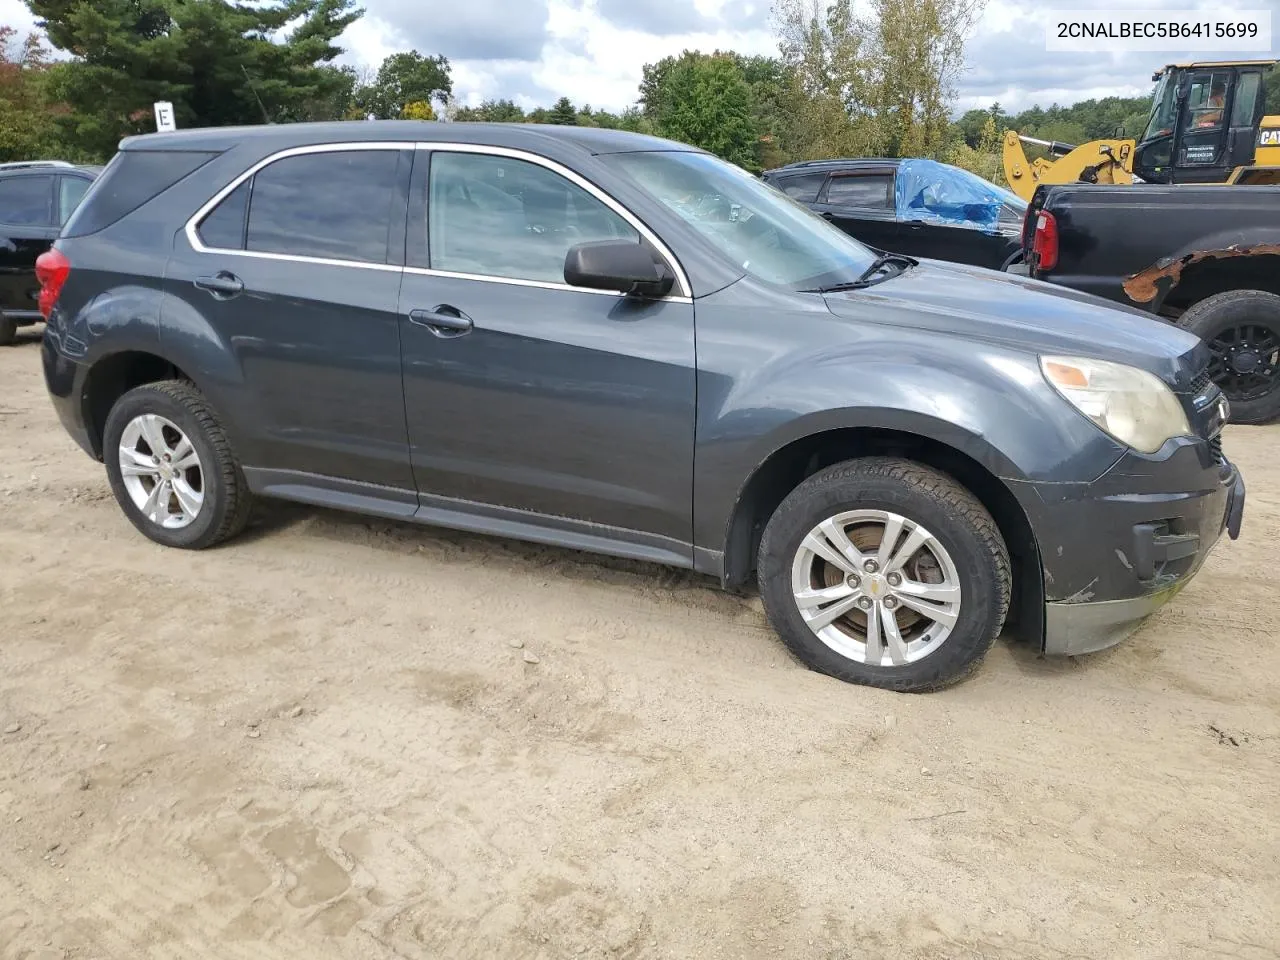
18 164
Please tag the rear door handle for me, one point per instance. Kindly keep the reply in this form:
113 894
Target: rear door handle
222 285
443 321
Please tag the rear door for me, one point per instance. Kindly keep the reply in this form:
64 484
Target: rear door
27 228
861 204
295 270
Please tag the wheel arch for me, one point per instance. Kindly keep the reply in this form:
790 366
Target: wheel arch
115 374
792 463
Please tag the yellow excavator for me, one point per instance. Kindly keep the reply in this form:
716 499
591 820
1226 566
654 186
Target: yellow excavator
1206 126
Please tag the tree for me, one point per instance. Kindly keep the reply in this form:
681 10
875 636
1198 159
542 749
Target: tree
28 130
214 60
823 46
418 110
916 55
402 79
563 113
705 101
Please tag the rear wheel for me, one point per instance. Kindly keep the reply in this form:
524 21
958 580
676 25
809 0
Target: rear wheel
8 330
1242 329
887 573
172 469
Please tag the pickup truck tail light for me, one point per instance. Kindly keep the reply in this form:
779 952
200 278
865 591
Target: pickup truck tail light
52 270
1044 248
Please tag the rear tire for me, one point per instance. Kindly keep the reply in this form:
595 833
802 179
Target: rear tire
948 596
8 331
1242 327
172 469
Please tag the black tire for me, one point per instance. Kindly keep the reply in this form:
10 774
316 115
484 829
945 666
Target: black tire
8 331
1256 315
960 524
227 500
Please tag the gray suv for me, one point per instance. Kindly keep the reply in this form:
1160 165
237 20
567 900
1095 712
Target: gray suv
624 345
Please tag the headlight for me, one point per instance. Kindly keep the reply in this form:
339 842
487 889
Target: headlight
1132 405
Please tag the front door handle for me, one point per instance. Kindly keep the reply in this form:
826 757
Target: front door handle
443 321
223 285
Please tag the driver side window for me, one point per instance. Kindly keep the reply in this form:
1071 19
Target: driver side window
501 217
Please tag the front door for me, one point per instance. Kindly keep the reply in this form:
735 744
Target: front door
861 204
574 407
296 273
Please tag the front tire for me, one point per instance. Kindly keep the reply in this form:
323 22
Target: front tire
1242 329
887 573
8 330
172 469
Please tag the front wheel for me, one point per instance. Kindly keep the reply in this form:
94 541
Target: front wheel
887 573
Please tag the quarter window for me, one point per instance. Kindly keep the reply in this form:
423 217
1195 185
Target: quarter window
27 201
501 217
336 205
71 191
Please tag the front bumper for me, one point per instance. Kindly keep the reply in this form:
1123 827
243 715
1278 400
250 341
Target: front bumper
1115 551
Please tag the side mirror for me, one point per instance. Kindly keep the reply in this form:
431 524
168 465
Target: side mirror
623 266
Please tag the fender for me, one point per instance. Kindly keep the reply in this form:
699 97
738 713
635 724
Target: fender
992 405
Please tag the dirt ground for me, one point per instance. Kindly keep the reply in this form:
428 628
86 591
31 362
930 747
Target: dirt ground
337 738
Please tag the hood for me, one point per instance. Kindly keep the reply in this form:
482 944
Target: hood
1025 314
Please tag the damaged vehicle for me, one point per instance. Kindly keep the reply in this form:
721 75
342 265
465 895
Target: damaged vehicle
1204 257
620 344
916 207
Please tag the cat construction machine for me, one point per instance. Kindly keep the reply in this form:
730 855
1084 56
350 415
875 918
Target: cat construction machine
1206 126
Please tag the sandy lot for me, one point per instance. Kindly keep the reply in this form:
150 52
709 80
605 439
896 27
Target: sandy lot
338 738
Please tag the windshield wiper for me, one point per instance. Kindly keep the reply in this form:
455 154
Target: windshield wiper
866 279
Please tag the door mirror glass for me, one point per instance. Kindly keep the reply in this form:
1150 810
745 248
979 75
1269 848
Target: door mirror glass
618 265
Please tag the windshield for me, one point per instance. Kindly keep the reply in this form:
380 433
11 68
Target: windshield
1163 109
763 231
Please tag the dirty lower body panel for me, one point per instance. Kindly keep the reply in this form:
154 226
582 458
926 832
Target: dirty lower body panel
1116 550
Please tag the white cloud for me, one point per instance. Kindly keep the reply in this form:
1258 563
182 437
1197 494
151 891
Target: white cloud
592 51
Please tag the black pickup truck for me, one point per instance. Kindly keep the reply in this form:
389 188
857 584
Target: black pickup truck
1204 257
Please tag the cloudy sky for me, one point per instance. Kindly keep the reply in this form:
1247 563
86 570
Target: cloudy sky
534 51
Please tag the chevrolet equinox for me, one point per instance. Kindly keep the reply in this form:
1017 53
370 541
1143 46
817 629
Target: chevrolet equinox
620 344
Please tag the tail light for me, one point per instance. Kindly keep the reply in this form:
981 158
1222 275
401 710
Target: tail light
52 270
1044 248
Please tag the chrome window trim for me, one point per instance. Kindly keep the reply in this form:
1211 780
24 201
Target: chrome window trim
193 236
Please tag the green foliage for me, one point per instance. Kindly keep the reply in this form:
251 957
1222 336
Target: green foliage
214 60
491 111
563 113
403 78
704 100
28 126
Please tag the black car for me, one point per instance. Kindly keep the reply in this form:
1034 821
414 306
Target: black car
916 207
36 198
620 344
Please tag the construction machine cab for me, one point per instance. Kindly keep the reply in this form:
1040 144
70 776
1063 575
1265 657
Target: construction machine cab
1204 122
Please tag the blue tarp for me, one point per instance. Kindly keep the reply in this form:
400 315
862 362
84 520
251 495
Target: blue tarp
937 193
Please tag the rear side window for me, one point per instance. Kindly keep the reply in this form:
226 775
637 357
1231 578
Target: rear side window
861 191
334 205
27 201
131 179
71 191
804 187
